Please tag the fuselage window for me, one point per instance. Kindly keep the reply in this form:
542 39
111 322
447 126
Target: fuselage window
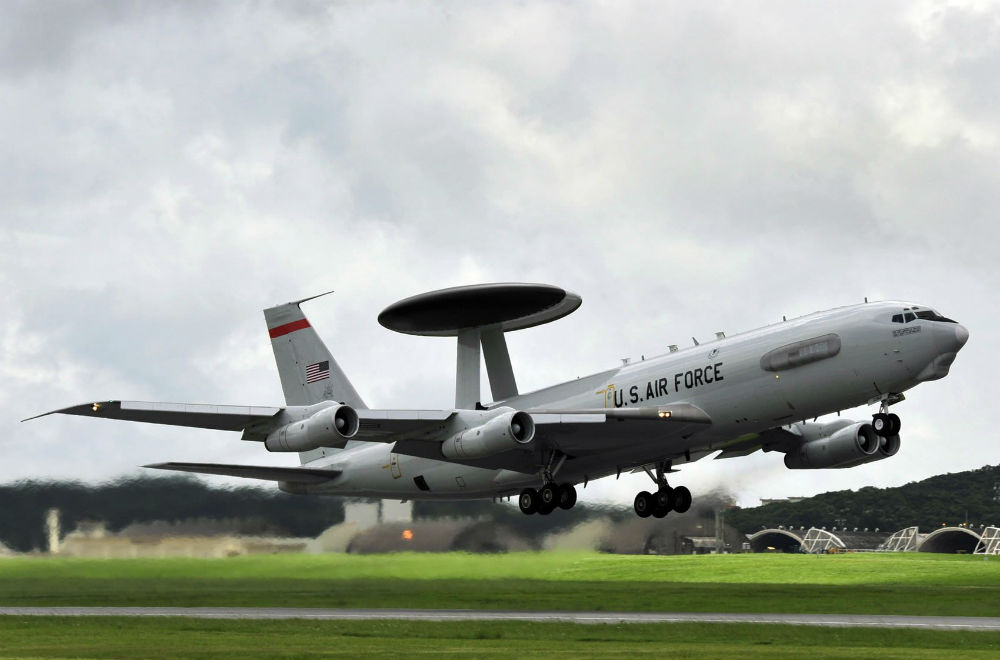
801 352
897 318
909 317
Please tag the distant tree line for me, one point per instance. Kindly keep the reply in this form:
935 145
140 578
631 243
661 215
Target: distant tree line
952 499
972 496
23 506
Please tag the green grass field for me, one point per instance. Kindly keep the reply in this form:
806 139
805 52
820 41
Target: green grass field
914 583
848 584
28 637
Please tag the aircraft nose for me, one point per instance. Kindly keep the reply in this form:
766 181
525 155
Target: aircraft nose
961 335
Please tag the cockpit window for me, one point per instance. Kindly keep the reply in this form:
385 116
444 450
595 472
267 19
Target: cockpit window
931 315
922 314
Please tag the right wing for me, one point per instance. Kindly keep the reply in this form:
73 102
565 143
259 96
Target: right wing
221 418
375 425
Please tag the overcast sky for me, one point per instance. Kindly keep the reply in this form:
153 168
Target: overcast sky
167 170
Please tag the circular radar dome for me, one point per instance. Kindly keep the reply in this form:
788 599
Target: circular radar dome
507 306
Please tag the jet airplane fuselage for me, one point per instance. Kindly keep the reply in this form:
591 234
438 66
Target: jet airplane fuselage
725 378
731 397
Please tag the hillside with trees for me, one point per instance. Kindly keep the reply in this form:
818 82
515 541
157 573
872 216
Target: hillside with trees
963 497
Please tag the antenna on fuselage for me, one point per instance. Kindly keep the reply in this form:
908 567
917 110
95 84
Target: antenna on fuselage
478 316
695 341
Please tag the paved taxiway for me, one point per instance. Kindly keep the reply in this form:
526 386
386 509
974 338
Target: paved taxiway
826 620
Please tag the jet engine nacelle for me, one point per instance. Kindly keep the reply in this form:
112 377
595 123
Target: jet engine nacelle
504 432
330 427
887 447
849 445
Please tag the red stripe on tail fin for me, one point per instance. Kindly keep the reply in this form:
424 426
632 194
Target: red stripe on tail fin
288 327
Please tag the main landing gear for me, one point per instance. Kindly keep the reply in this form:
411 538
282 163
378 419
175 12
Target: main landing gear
547 499
885 423
665 499
551 495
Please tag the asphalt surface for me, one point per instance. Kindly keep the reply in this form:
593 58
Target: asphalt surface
275 613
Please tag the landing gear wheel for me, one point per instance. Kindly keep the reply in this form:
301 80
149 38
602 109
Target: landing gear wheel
682 499
566 496
643 504
894 424
528 501
548 496
664 499
660 512
882 425
546 509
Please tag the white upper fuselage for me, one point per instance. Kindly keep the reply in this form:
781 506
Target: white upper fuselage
860 355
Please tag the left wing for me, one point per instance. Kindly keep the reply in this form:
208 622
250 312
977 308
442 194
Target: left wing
268 473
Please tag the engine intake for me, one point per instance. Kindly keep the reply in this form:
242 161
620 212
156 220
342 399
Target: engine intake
850 445
330 427
888 447
504 432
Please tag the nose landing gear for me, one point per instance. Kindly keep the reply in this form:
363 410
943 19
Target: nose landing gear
665 499
885 423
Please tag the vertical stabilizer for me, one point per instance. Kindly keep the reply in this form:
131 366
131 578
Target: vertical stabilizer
308 372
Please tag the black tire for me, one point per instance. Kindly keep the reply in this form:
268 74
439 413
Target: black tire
528 501
548 496
545 509
659 511
881 425
643 504
682 499
566 497
894 424
664 499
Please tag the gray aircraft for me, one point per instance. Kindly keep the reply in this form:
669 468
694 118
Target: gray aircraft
731 397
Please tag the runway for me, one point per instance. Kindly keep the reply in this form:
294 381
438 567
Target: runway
277 613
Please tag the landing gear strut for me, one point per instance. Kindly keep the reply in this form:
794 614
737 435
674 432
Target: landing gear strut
665 499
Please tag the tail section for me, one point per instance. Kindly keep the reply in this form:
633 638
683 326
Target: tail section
308 372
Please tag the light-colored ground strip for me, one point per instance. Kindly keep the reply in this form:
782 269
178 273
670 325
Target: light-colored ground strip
826 620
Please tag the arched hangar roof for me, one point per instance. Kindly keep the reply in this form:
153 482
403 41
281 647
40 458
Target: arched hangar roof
775 539
950 540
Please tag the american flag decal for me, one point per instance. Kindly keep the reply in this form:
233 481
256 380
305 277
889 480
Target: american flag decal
318 371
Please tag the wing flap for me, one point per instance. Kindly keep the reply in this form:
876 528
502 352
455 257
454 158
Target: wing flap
385 425
677 412
289 474
222 418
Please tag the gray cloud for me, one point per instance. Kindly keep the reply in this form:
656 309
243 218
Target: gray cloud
171 169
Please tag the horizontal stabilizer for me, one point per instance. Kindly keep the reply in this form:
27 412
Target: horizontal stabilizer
222 418
290 474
